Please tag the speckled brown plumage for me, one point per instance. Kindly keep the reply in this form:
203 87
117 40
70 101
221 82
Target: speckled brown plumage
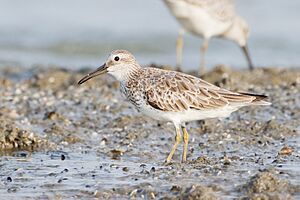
175 91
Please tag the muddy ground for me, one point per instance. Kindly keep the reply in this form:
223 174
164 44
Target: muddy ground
59 140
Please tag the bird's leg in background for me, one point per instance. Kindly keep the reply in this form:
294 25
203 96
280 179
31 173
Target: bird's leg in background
178 139
185 145
203 52
246 52
179 49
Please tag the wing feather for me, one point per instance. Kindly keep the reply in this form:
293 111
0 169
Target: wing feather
175 91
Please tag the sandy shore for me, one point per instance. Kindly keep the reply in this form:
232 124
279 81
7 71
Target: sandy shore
61 140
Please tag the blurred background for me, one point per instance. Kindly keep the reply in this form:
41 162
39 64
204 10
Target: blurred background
77 33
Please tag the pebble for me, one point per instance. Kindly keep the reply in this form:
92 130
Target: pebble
9 179
125 169
286 151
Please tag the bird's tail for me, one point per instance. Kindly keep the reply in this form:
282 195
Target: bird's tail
259 99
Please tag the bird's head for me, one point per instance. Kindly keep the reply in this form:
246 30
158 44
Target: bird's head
119 64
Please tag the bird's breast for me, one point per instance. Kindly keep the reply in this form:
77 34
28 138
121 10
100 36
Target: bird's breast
134 95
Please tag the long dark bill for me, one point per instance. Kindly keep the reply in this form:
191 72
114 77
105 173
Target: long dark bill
246 52
101 70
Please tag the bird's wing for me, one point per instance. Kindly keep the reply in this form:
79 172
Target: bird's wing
223 10
174 91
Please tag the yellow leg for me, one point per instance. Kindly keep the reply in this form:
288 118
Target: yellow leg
179 47
177 141
203 52
185 145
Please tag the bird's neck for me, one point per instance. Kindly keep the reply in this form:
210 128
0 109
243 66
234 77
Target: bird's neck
131 74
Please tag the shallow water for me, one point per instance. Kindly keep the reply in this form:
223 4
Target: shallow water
86 173
76 33
46 174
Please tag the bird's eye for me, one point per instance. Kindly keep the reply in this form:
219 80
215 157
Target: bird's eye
117 58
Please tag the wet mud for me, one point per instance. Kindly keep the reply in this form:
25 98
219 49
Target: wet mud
60 140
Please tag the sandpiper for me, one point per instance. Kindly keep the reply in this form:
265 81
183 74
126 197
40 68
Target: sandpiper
207 19
172 96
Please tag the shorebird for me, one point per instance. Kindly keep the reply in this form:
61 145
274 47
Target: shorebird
172 96
207 19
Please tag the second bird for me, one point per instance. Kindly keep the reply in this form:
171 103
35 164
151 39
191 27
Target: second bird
207 19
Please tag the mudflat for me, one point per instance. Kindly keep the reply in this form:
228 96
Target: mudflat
61 140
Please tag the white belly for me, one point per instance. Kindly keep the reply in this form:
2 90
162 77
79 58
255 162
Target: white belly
189 115
198 21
